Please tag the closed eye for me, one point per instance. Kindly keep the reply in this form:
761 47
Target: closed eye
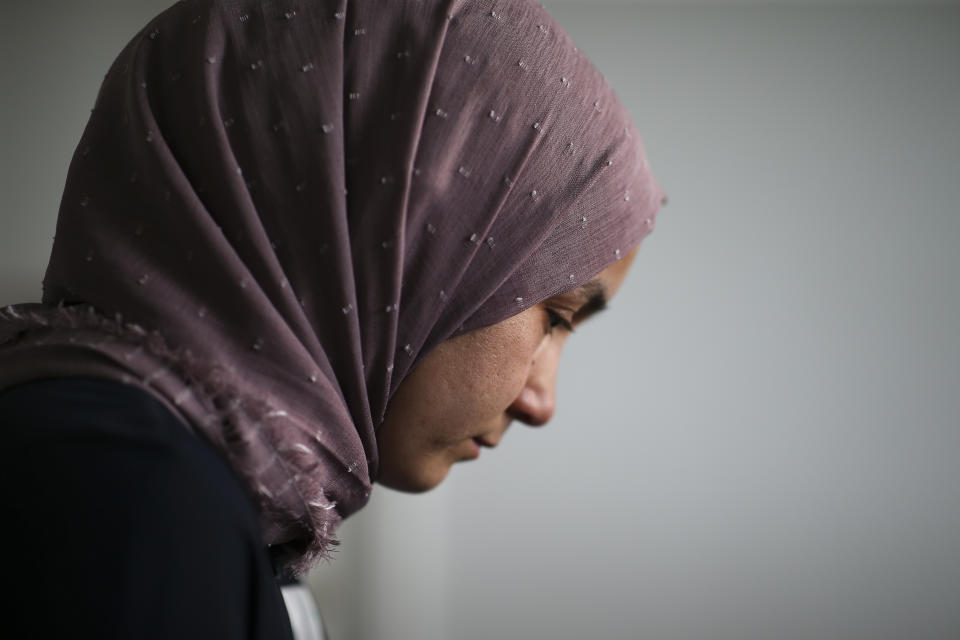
557 320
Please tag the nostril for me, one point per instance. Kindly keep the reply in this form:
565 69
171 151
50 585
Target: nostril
539 419
522 416
534 418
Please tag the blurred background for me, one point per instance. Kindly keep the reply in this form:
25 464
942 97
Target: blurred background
770 415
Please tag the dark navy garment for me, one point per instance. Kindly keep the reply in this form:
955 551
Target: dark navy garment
119 523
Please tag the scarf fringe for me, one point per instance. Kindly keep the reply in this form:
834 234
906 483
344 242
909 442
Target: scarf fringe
226 408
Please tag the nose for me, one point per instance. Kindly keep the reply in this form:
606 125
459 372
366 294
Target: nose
536 402
533 408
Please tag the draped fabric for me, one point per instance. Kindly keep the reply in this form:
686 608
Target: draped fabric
277 209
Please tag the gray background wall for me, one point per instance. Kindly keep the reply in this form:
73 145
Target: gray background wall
769 414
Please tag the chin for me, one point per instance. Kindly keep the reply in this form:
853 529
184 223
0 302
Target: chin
413 480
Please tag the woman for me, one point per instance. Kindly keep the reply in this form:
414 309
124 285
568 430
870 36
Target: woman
300 249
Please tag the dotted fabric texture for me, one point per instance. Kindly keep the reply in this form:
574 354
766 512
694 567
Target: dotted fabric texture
275 212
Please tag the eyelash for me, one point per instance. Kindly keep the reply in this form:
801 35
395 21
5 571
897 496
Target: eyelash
557 320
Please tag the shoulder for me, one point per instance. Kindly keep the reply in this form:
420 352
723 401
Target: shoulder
114 501
120 454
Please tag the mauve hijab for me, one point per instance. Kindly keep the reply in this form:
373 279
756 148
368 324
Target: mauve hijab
277 209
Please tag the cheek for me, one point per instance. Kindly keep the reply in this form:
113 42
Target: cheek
471 396
494 374
493 381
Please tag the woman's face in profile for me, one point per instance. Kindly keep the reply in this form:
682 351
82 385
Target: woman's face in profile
467 391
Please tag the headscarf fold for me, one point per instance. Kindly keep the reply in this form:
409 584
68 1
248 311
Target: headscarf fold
275 212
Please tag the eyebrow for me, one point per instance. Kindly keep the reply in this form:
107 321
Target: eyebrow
596 294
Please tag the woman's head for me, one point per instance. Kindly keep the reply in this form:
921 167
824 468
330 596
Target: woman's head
316 201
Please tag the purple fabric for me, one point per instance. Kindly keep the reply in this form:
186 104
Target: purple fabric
274 214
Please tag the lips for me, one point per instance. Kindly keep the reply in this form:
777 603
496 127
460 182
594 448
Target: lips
491 440
486 441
